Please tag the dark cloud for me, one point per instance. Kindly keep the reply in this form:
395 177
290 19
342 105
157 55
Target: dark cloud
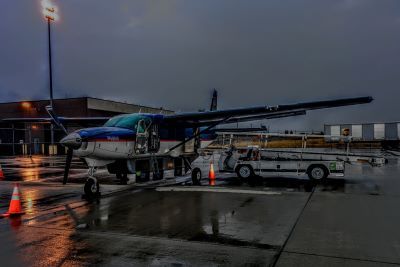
171 53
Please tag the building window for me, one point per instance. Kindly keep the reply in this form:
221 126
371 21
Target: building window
356 131
335 130
379 131
398 130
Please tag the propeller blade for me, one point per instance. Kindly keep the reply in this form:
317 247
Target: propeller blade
67 164
55 119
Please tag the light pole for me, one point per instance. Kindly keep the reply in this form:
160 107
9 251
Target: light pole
50 14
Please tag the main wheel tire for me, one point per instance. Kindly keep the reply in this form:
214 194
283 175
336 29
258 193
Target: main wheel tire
122 177
317 173
91 188
245 171
196 176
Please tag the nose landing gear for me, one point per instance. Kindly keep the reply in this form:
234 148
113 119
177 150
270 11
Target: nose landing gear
92 187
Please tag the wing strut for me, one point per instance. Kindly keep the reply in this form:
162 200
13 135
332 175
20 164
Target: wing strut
198 134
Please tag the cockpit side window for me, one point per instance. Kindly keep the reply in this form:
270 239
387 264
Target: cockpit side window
113 121
141 127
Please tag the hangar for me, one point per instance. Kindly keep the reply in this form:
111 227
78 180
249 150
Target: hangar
371 131
18 138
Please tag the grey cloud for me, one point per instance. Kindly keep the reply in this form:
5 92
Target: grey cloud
171 53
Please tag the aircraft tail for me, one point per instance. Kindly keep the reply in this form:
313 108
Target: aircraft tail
214 101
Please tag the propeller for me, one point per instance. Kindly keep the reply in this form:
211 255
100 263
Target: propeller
70 151
67 164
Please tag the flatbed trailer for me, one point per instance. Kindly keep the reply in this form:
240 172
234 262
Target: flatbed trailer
258 162
374 160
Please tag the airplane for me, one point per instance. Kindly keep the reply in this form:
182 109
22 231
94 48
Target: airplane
145 144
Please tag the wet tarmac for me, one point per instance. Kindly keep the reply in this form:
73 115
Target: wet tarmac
48 169
278 221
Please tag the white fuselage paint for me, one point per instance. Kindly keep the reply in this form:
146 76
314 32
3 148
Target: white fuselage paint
114 150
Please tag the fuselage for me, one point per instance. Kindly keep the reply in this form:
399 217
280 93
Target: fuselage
134 135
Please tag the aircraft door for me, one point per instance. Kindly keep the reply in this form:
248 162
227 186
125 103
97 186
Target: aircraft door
142 136
154 138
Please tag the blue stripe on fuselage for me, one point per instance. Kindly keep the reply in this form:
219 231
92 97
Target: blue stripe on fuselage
117 133
91 134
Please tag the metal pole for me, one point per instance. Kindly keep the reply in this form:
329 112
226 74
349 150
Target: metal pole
50 68
52 133
13 139
30 142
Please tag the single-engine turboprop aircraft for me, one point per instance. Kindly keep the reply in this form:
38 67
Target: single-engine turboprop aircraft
141 143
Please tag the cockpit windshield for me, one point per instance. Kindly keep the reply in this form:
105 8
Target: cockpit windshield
130 121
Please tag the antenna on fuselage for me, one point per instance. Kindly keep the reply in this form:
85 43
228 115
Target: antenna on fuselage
214 100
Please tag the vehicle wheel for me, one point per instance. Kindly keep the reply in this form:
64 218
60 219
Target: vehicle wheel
196 176
245 171
317 172
91 188
124 179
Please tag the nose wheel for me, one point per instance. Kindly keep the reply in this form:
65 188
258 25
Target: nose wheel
92 186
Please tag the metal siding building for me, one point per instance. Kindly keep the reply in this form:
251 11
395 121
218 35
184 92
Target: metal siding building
391 131
367 132
372 131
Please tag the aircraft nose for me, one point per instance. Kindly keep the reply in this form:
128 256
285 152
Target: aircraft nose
73 140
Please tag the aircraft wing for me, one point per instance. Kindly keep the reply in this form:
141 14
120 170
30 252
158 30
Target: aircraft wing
196 119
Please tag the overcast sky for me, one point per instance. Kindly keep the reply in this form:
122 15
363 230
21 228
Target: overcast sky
171 53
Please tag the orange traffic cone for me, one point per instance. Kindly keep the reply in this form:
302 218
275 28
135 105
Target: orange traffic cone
1 173
15 204
211 174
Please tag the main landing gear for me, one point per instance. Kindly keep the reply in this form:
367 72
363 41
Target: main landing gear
122 177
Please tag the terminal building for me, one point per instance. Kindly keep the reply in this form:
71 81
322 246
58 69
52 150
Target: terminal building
18 137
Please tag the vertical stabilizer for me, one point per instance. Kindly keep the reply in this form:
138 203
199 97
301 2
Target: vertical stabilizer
214 101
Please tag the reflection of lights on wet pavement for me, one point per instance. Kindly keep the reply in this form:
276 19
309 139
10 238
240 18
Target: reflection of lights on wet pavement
29 196
29 205
30 174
